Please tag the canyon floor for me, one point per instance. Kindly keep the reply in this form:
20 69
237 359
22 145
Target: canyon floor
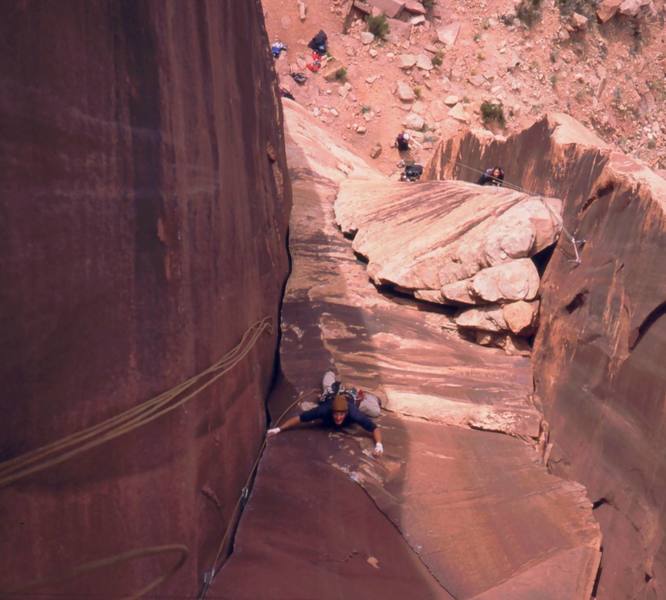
610 76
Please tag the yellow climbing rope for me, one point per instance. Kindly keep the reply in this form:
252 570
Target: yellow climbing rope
217 563
70 446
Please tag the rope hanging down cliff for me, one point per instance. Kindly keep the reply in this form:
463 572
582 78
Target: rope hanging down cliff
70 446
210 574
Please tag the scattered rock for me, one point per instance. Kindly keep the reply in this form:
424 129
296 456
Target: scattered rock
476 80
399 30
514 61
579 21
391 8
451 100
448 34
607 9
407 61
361 130
563 35
484 318
413 6
458 113
417 20
405 92
301 10
367 37
414 121
376 150
438 110
521 317
423 62
631 8
372 52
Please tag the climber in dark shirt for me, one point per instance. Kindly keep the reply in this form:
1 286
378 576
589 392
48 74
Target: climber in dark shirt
335 412
493 176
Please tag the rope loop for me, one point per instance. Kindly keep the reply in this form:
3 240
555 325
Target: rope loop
70 446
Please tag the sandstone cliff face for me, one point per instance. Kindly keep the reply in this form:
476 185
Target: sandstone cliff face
448 511
599 353
144 212
455 243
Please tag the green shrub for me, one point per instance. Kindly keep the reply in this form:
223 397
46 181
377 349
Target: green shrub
493 112
341 74
584 7
418 92
378 26
529 11
438 59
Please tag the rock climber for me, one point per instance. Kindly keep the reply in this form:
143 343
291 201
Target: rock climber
492 176
402 142
336 411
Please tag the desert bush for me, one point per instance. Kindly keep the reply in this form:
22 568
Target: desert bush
341 74
493 112
378 26
529 11
583 7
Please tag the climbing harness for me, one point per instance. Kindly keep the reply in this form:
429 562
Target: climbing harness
574 242
70 446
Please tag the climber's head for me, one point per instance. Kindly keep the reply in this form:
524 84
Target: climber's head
340 408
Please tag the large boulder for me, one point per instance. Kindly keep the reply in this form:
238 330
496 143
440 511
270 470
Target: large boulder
607 9
391 8
451 242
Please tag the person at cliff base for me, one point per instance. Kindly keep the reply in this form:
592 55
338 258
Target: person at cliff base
278 48
336 412
412 173
492 176
402 142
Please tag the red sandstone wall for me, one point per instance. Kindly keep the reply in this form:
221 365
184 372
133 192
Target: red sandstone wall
143 214
599 354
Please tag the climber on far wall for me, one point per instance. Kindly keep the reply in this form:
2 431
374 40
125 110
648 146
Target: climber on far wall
492 176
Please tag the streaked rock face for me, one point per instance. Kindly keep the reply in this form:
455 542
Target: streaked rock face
599 352
144 210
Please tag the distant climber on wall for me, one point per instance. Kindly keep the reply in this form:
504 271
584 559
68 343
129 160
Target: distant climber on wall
492 176
337 410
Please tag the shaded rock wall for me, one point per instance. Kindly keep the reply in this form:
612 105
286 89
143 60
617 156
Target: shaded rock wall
144 211
599 353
